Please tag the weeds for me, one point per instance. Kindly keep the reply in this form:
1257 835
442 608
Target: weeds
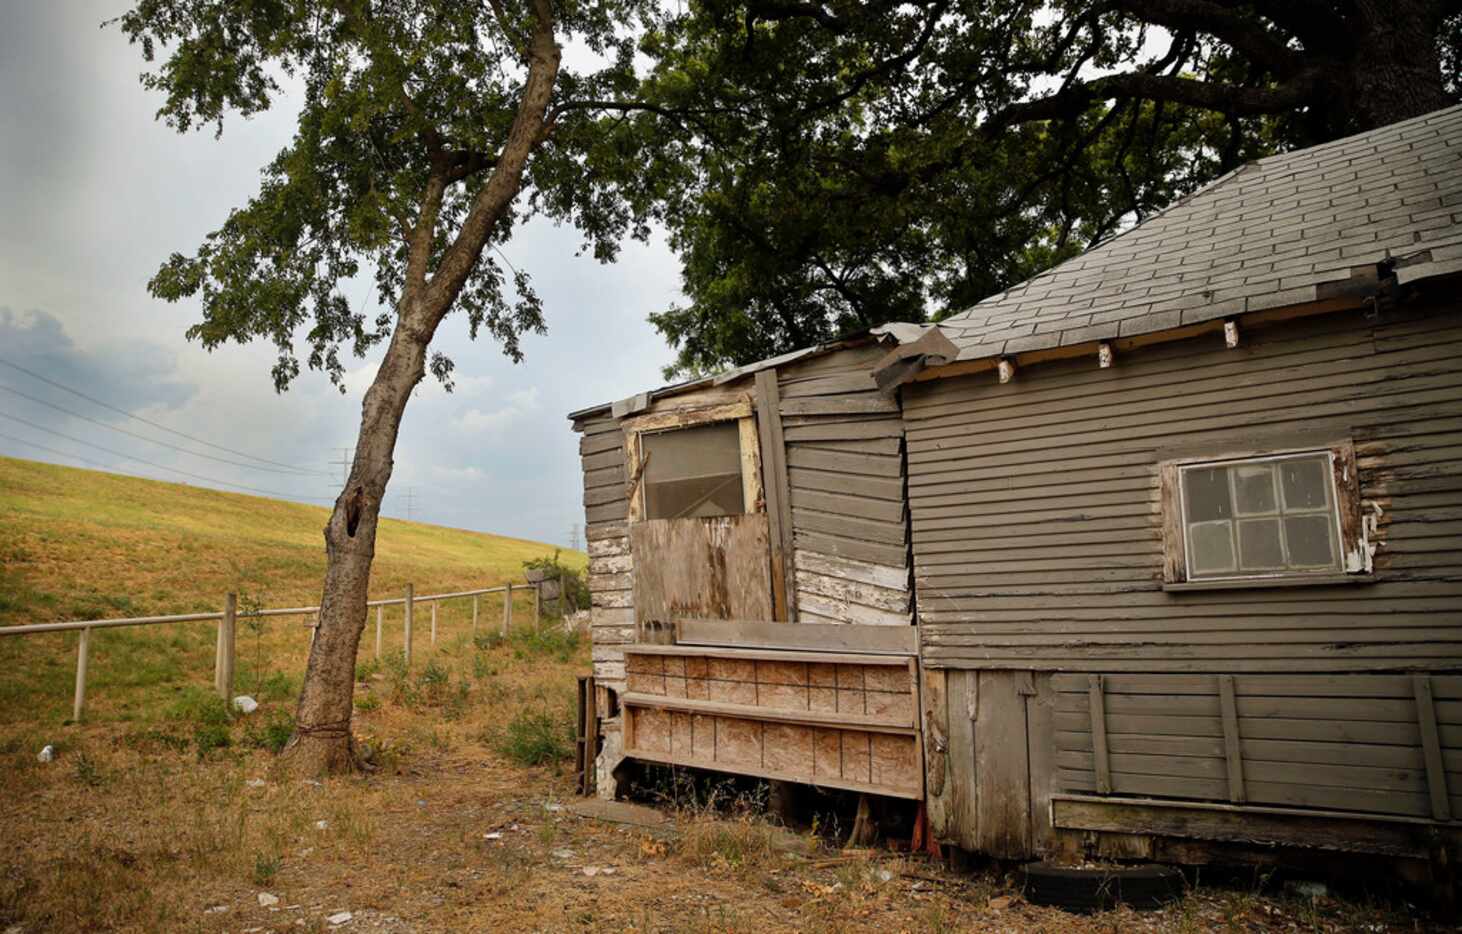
272 732
265 869
534 737
86 770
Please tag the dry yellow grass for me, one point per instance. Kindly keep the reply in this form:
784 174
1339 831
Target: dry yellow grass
79 544
143 822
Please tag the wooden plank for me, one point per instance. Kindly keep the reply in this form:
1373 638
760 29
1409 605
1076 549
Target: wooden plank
866 572
685 416
853 592
828 385
710 568
1426 718
843 638
890 489
1098 719
750 450
888 533
1328 830
853 613
1041 756
1002 770
720 765
778 494
771 655
856 549
845 430
868 465
871 724
1233 750
961 812
861 403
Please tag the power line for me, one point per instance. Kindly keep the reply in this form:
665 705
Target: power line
148 421
138 460
42 447
132 434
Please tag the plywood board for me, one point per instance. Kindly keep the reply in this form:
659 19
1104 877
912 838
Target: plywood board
715 568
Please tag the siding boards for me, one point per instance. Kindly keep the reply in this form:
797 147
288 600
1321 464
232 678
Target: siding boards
611 568
846 477
1035 516
1350 742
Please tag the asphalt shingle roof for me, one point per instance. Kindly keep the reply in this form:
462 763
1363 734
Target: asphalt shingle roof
1266 235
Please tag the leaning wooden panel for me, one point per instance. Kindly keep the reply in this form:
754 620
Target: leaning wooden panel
716 567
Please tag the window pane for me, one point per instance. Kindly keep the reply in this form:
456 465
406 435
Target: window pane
1305 482
693 472
1310 541
1213 547
1254 491
1205 494
1259 548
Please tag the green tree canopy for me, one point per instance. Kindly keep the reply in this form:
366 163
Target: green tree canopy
860 162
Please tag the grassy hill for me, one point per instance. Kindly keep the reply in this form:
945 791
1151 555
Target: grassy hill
80 544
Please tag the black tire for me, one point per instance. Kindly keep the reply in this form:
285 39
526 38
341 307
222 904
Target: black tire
1084 891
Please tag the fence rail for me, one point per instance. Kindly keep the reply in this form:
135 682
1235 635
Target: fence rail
227 619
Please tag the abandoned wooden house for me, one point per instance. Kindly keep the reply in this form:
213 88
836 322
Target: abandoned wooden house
1155 555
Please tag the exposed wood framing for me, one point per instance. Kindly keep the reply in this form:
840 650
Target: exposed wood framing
833 719
686 416
1098 713
777 493
1328 830
751 488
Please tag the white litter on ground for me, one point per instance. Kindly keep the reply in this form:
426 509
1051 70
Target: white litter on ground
245 704
48 752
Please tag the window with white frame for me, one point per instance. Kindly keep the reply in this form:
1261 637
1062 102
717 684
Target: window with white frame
1281 516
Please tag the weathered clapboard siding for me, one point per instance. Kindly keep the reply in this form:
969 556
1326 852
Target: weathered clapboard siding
611 566
846 482
1342 742
1035 504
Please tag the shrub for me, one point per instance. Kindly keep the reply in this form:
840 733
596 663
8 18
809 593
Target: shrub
272 732
210 736
265 869
535 737
575 589
365 670
277 687
368 703
556 643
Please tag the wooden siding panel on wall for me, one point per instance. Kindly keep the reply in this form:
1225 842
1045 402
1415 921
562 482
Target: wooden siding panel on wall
1035 508
846 478
611 567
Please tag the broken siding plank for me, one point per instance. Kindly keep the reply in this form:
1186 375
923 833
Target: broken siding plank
885 576
851 612
890 489
1426 717
852 506
842 589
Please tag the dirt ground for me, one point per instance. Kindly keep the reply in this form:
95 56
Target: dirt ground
459 840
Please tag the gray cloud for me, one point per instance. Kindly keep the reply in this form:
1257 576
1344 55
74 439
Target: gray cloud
96 194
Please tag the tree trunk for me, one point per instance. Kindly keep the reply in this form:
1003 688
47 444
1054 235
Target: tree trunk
1396 69
322 742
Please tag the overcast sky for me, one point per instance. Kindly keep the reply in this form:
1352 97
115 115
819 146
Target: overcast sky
94 194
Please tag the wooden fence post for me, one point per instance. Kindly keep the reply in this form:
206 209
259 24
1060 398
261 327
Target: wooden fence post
475 602
537 607
508 609
228 643
380 614
410 612
83 645
434 621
